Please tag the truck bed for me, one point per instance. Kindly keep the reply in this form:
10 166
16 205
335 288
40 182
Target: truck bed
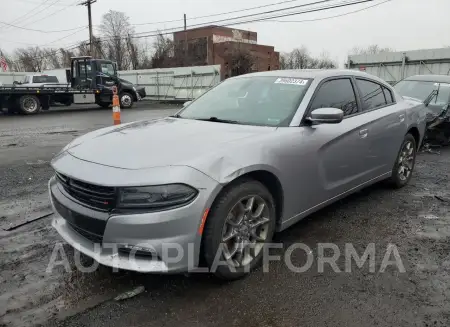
44 89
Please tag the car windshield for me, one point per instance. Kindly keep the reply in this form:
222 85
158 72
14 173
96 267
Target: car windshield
45 79
262 100
422 89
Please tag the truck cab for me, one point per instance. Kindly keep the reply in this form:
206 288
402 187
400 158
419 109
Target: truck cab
100 75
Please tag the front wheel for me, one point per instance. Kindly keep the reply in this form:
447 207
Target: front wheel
126 100
240 224
404 164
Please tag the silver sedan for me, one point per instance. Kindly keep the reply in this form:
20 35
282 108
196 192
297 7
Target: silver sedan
250 157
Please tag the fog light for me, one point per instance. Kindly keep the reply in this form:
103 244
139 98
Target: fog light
138 250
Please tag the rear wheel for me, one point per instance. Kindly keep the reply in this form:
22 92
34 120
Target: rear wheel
404 165
29 104
240 224
126 100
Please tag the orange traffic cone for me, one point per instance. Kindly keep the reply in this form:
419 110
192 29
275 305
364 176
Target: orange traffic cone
116 107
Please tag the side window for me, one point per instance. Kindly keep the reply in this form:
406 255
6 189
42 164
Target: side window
337 93
388 95
372 95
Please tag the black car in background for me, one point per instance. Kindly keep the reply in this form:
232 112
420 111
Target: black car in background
434 91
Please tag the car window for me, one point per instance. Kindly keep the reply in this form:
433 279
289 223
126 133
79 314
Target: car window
388 95
421 90
337 93
108 68
255 100
45 79
372 95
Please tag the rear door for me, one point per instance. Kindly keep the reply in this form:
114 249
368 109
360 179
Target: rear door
340 149
386 126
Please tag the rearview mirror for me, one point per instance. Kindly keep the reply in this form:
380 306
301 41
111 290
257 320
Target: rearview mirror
187 103
326 116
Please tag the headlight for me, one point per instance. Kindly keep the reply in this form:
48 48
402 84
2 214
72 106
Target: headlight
155 197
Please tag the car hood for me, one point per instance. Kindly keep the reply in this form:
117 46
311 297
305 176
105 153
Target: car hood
163 142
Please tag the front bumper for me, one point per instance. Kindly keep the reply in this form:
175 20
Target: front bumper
141 92
171 236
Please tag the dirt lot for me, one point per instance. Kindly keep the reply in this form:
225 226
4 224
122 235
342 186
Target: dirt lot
416 219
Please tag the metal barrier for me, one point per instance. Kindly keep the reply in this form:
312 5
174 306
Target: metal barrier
174 84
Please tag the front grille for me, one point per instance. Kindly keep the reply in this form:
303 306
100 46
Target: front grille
100 197
90 236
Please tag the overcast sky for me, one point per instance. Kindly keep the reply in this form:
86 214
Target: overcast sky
399 24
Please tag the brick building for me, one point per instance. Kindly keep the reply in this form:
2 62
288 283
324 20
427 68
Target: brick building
216 45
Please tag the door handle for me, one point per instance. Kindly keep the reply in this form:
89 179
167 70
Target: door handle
363 133
402 118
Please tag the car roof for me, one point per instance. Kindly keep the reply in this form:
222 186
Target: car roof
313 74
429 78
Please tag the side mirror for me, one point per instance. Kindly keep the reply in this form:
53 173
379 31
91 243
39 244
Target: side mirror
187 103
16 83
326 116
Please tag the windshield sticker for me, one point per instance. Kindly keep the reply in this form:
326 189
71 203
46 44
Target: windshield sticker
291 81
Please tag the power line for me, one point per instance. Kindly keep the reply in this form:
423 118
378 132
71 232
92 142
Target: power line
40 4
329 17
49 15
28 12
244 16
344 4
218 14
42 9
41 31
65 37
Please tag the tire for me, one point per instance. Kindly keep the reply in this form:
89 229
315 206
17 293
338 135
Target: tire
225 210
104 104
404 166
29 104
126 100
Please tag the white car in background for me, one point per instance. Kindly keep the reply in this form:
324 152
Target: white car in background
41 80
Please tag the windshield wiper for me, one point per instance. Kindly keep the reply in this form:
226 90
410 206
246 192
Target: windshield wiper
428 99
219 120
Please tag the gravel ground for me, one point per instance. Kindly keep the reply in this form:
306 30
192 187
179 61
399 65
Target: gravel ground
413 219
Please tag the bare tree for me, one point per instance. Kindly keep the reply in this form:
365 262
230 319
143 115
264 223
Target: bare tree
116 29
164 50
371 49
300 58
31 59
53 59
66 56
242 62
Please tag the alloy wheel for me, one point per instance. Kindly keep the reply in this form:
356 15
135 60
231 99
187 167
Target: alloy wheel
245 230
126 100
406 161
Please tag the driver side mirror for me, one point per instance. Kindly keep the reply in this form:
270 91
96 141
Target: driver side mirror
16 83
326 116
187 103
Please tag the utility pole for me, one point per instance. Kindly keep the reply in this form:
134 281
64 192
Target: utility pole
88 4
185 37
